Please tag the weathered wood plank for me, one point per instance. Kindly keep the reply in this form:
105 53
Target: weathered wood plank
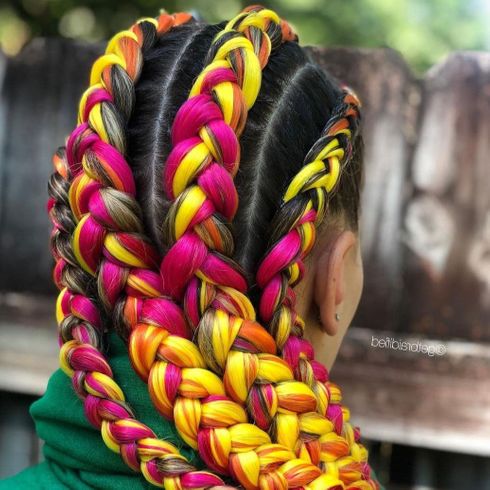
19 446
438 402
447 221
28 343
3 123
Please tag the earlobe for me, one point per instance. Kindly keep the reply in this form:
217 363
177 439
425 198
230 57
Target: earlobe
330 280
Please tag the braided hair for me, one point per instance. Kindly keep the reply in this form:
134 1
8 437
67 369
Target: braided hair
80 320
191 219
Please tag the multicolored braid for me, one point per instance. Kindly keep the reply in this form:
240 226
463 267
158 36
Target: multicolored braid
136 250
245 436
293 234
206 151
197 270
85 200
78 315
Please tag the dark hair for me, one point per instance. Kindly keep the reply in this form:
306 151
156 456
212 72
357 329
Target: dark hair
294 104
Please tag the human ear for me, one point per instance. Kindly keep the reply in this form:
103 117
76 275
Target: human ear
330 279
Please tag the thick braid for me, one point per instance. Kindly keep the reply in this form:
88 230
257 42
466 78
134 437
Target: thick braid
293 233
155 353
199 177
102 199
197 269
81 326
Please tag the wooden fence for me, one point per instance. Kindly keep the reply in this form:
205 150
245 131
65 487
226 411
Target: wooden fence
425 232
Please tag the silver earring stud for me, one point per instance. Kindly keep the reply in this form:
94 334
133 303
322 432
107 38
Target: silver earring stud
337 317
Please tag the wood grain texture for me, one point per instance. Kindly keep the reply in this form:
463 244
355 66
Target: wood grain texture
447 220
28 343
438 402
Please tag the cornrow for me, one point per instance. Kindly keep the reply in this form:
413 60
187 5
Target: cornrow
293 232
77 313
145 337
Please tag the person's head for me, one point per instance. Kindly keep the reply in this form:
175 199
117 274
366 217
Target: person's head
295 102
204 165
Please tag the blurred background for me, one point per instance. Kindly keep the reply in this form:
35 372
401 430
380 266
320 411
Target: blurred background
422 70
422 30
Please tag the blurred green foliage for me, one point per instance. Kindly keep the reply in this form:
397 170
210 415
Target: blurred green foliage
422 30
